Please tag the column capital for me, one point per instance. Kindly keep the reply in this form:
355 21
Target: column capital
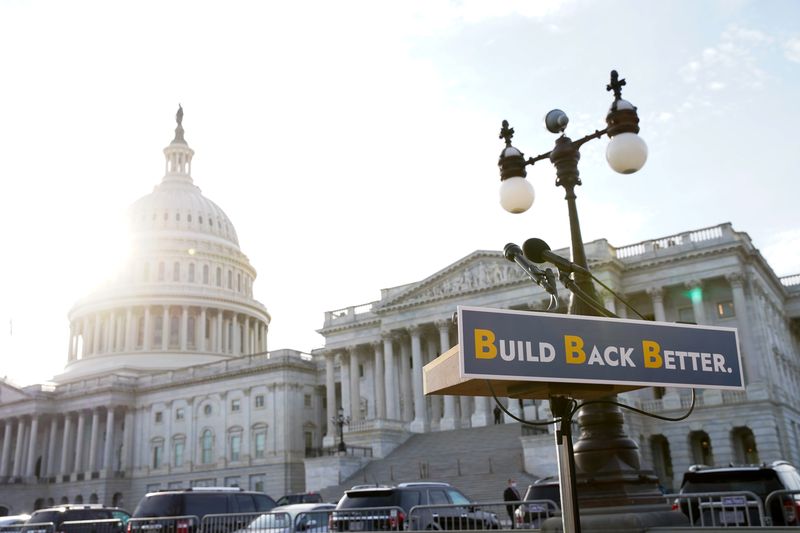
736 279
391 335
415 330
443 324
694 284
656 293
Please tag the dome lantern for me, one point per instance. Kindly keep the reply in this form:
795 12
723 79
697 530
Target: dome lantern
178 154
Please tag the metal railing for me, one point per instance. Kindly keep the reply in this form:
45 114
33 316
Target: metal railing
721 509
528 514
789 507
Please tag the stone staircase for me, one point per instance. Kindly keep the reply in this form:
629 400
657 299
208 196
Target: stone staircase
478 461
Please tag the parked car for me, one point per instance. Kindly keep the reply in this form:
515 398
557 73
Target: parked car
545 497
300 497
11 521
389 508
735 510
307 517
183 510
108 519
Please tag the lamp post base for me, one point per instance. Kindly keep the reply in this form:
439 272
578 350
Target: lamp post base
623 519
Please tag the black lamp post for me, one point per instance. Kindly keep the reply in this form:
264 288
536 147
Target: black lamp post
340 420
607 460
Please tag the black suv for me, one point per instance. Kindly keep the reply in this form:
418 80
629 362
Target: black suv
732 509
542 499
390 509
183 510
66 519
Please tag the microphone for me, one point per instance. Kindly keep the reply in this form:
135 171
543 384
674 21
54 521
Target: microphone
514 253
538 251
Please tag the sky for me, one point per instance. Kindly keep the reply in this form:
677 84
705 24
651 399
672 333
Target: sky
354 144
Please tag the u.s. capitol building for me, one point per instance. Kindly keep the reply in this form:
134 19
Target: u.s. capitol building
169 381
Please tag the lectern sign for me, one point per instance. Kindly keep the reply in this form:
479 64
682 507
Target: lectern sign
533 346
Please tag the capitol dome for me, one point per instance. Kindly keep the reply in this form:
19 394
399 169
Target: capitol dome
184 297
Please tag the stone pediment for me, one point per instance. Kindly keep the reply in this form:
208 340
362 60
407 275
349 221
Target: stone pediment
481 270
9 393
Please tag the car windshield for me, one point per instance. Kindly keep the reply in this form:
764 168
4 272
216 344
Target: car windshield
543 492
761 482
41 517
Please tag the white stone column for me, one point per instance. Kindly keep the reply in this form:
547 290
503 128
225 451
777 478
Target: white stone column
184 330
112 332
21 425
51 447
96 334
165 333
127 441
379 381
129 337
432 346
449 420
92 466
406 393
466 410
32 444
752 369
330 398
657 297
609 301
226 334
66 445
108 445
236 331
220 329
201 329
344 372
78 466
390 377
696 295
71 345
247 333
420 422
147 336
6 454
87 341
482 416
355 385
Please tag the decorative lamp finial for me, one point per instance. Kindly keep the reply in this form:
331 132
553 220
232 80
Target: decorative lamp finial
616 85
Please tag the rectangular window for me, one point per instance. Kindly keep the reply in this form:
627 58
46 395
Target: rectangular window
725 310
235 405
179 413
233 481
158 453
260 400
307 400
176 272
161 271
260 444
152 487
158 417
191 271
175 485
236 447
177 453
361 371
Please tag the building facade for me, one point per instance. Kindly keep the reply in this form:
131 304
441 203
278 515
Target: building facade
169 381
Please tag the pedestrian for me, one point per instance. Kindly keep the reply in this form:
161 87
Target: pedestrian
497 415
511 494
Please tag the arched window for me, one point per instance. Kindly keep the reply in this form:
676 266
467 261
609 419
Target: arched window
190 331
93 498
191 272
239 282
219 277
174 331
206 447
140 332
176 271
161 269
700 445
744 446
230 279
146 272
158 330
205 274
662 460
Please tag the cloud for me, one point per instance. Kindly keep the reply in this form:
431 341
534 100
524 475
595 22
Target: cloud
791 49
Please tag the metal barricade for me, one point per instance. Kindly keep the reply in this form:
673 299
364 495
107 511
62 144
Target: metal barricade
107 525
368 519
789 508
38 527
164 524
313 521
475 516
255 522
721 509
